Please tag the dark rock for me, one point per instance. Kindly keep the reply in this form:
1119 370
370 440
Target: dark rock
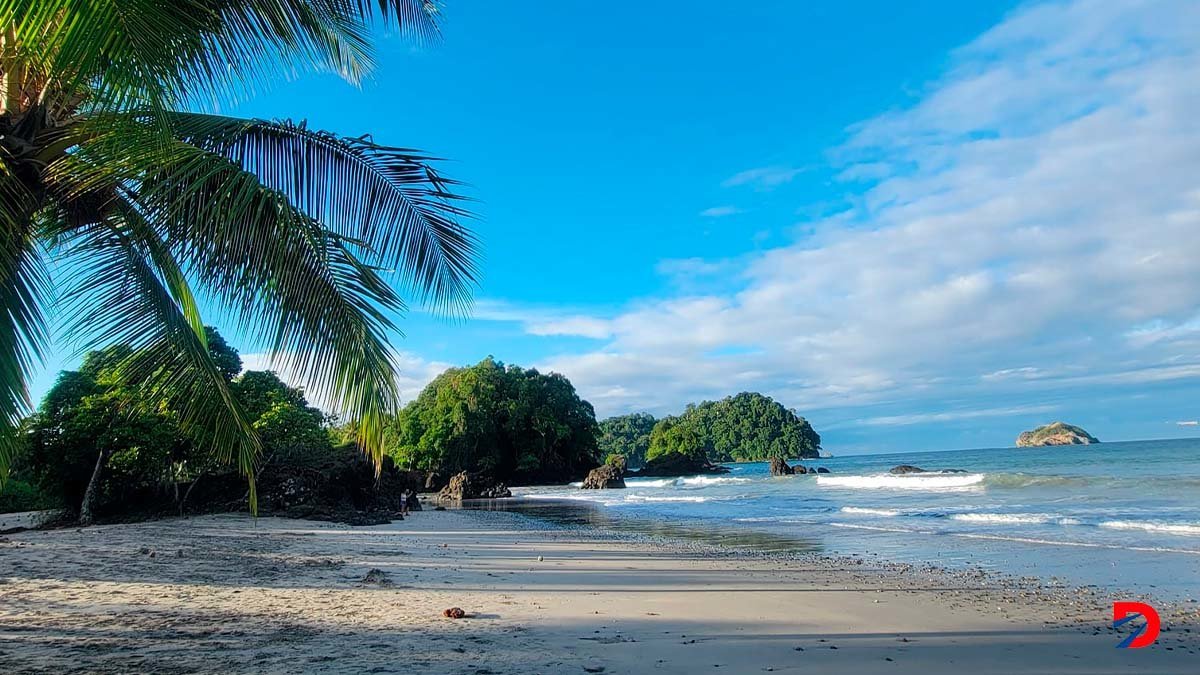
496 490
780 468
472 486
908 468
677 464
453 613
603 478
820 469
376 577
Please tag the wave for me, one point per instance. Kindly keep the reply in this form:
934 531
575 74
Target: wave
872 528
646 498
888 513
941 481
689 482
701 481
1079 544
1008 518
1168 528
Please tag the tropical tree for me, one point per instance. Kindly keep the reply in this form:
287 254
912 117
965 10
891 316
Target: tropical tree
515 423
627 435
148 210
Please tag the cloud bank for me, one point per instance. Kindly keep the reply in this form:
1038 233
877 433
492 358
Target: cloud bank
1030 224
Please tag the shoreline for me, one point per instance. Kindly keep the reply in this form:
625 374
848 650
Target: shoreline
227 593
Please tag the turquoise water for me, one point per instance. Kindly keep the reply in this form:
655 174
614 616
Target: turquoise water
1123 516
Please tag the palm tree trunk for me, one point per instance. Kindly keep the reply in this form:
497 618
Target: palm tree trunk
87 510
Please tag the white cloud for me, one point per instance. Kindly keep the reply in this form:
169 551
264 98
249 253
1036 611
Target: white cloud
1032 222
1189 423
543 321
720 211
763 177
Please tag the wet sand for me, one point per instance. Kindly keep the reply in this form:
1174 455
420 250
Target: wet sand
227 593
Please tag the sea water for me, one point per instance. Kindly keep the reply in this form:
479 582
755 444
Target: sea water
1120 516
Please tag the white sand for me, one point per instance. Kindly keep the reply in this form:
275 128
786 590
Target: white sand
228 594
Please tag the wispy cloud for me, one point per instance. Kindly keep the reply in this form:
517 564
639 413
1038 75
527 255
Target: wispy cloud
720 211
763 177
1189 423
954 415
544 321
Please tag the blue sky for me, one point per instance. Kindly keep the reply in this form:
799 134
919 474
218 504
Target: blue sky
923 225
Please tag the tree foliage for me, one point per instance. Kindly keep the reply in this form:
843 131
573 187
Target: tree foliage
745 427
145 454
515 423
305 238
627 435
673 435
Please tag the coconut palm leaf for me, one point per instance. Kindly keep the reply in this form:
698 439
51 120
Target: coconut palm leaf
389 199
127 289
286 229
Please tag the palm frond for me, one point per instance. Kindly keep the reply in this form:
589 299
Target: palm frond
24 292
391 200
126 288
149 53
323 313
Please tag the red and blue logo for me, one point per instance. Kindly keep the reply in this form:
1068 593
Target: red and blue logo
1144 635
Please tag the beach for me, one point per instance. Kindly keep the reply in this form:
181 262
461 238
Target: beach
228 593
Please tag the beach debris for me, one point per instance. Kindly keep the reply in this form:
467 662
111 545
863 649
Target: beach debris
376 577
453 613
593 669
144 550
540 558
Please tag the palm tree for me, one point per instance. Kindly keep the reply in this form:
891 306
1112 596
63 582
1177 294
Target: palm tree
304 238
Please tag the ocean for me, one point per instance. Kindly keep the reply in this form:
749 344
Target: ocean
1119 516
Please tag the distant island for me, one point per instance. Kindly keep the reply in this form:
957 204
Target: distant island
1055 433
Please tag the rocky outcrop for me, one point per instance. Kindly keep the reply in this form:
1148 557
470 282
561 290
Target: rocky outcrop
820 469
780 468
677 464
905 468
604 477
472 486
1055 433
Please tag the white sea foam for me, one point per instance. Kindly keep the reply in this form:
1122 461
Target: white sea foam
905 530
887 513
952 481
1007 518
646 498
701 481
1168 528
1079 544
640 482
689 482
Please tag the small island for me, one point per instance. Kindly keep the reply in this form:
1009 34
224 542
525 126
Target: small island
1055 433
